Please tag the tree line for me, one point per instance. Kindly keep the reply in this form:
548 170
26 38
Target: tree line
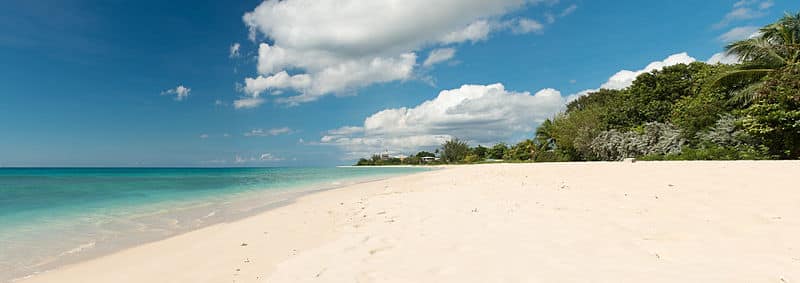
698 111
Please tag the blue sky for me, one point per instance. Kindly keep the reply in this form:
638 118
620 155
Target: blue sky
95 83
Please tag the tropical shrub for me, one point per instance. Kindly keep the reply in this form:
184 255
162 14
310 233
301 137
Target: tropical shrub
454 150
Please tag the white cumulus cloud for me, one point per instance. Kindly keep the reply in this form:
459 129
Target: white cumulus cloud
180 92
339 46
625 78
478 113
723 58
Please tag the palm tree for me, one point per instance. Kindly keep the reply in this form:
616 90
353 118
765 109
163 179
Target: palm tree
775 46
544 136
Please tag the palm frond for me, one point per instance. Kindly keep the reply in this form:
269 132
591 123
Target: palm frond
759 50
741 78
746 95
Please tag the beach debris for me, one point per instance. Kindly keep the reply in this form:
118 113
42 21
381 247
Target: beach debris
475 210
382 213
246 260
658 256
564 185
629 160
243 245
341 203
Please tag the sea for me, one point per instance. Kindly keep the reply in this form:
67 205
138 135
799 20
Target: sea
50 217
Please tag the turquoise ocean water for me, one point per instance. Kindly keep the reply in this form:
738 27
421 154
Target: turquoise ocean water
53 216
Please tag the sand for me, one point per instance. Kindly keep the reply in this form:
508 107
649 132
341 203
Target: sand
576 222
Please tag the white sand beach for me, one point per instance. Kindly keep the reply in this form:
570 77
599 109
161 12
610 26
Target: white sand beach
567 222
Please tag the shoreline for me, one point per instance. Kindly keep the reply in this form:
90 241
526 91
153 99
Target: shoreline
223 212
657 221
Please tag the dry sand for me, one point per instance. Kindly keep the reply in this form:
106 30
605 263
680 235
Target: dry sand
577 222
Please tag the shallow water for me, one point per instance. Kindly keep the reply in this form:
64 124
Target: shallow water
53 216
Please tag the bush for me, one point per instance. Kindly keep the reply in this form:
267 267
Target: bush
653 139
774 119
498 151
472 158
454 151
522 151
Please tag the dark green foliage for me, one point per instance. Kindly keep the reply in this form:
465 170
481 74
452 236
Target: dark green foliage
774 119
454 150
498 151
479 152
693 114
523 151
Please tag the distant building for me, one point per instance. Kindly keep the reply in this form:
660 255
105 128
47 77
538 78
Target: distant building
428 159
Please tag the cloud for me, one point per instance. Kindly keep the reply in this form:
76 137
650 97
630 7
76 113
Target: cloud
723 58
255 86
739 33
180 92
569 10
478 113
245 103
338 47
269 132
745 10
234 50
439 55
549 18
625 78
269 157
474 32
527 26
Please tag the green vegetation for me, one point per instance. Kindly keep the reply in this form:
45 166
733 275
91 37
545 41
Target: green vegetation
691 111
